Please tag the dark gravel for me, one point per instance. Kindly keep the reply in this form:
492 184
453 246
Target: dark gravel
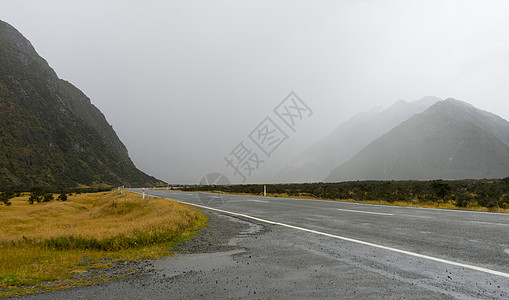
215 237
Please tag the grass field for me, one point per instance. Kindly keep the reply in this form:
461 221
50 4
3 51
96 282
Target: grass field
54 241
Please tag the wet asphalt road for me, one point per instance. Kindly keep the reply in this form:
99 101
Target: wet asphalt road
329 250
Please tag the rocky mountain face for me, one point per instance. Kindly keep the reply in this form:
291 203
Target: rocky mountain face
316 162
450 140
50 132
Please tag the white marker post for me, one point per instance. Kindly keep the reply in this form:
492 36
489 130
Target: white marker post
264 191
143 191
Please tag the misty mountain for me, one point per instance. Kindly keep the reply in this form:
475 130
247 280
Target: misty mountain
450 140
348 139
50 132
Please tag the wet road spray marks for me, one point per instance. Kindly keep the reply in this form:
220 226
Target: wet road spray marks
427 257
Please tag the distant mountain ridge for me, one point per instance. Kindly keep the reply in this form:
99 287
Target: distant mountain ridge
50 132
316 162
450 140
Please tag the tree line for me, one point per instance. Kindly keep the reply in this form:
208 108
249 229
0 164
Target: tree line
489 193
45 194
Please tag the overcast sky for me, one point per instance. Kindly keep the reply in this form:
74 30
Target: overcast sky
184 82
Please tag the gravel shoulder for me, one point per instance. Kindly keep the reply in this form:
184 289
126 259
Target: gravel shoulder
217 237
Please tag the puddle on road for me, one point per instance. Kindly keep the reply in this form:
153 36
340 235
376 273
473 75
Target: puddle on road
176 265
205 262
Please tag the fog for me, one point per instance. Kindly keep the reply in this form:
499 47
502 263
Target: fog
184 82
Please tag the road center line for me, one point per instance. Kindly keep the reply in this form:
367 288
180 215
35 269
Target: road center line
258 201
440 260
488 223
365 212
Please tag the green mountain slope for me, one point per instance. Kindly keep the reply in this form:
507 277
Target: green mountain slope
50 133
450 140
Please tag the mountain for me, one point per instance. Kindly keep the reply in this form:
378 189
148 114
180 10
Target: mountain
50 133
348 139
450 140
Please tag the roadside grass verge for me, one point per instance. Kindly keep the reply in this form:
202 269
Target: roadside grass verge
43 246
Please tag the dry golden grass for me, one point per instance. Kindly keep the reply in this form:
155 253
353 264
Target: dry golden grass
434 205
55 240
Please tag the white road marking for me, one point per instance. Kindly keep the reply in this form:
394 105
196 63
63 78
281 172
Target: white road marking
416 216
488 223
365 212
259 201
392 206
243 201
440 260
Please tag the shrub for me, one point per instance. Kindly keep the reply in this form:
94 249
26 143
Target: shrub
489 193
34 197
62 197
5 198
47 197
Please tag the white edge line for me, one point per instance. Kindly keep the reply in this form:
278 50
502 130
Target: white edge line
444 261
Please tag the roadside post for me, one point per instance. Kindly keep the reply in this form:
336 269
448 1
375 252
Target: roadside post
264 191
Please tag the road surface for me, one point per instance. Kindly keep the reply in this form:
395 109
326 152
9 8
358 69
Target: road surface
328 250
